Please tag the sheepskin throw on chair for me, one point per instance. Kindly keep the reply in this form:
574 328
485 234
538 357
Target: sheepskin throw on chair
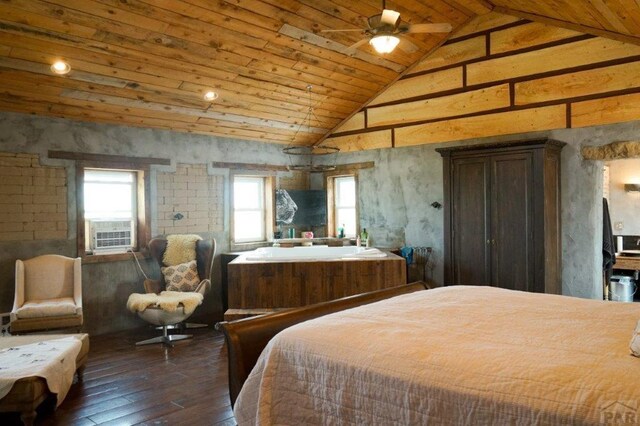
180 249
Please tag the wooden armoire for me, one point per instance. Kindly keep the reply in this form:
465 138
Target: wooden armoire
502 215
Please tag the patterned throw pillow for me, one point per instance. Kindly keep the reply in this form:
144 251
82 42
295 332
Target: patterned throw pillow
182 277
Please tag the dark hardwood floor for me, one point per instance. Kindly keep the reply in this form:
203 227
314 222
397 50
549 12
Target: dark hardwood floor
148 385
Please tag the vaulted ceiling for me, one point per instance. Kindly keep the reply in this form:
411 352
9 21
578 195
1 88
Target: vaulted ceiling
149 62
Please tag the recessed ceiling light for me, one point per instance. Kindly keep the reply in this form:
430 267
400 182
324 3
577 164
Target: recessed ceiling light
210 96
60 67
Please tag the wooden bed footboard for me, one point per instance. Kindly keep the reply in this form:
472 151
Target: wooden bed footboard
246 338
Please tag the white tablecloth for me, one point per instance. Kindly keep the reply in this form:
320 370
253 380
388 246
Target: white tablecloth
54 360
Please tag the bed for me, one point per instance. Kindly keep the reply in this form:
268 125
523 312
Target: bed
453 355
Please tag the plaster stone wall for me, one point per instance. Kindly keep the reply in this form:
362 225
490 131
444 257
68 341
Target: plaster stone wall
624 207
395 200
294 181
195 195
106 286
33 199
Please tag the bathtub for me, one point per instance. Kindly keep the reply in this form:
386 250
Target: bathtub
278 254
272 278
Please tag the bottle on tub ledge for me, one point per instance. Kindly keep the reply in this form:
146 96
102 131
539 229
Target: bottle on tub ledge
364 238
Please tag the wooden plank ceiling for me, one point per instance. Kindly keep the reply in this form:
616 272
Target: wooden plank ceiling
148 62
616 19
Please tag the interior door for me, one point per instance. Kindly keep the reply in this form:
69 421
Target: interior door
512 255
470 223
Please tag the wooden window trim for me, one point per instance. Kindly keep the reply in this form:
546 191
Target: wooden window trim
269 207
329 182
143 210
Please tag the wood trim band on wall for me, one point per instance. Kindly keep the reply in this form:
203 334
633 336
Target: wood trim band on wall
248 166
493 111
529 77
120 159
465 37
514 52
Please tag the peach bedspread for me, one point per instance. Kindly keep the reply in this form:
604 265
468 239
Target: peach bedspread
454 355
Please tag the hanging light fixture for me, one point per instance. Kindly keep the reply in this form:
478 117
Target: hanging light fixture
384 43
309 153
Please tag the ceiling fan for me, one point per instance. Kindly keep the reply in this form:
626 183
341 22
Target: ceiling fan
383 31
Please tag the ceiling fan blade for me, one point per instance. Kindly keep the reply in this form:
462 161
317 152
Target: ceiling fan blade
407 46
354 46
339 31
429 28
389 17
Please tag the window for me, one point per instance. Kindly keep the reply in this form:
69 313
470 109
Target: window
112 209
109 194
344 205
250 209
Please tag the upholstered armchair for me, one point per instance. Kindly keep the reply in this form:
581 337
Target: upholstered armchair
48 294
166 306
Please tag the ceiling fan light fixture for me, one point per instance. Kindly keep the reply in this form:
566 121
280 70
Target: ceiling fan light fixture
384 43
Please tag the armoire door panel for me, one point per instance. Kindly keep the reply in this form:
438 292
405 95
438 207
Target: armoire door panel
471 222
511 221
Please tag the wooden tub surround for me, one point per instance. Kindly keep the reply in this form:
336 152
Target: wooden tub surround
254 286
248 337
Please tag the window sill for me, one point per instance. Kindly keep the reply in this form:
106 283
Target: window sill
249 245
115 257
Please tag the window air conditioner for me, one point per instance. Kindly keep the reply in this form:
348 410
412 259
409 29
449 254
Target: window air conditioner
111 235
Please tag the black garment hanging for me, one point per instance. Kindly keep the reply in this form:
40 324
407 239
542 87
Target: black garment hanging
608 243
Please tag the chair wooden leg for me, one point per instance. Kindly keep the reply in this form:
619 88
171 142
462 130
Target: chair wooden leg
80 373
28 417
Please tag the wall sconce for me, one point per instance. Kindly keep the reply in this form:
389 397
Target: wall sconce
632 187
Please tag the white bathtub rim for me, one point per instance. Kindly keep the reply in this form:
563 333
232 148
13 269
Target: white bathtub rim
266 254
